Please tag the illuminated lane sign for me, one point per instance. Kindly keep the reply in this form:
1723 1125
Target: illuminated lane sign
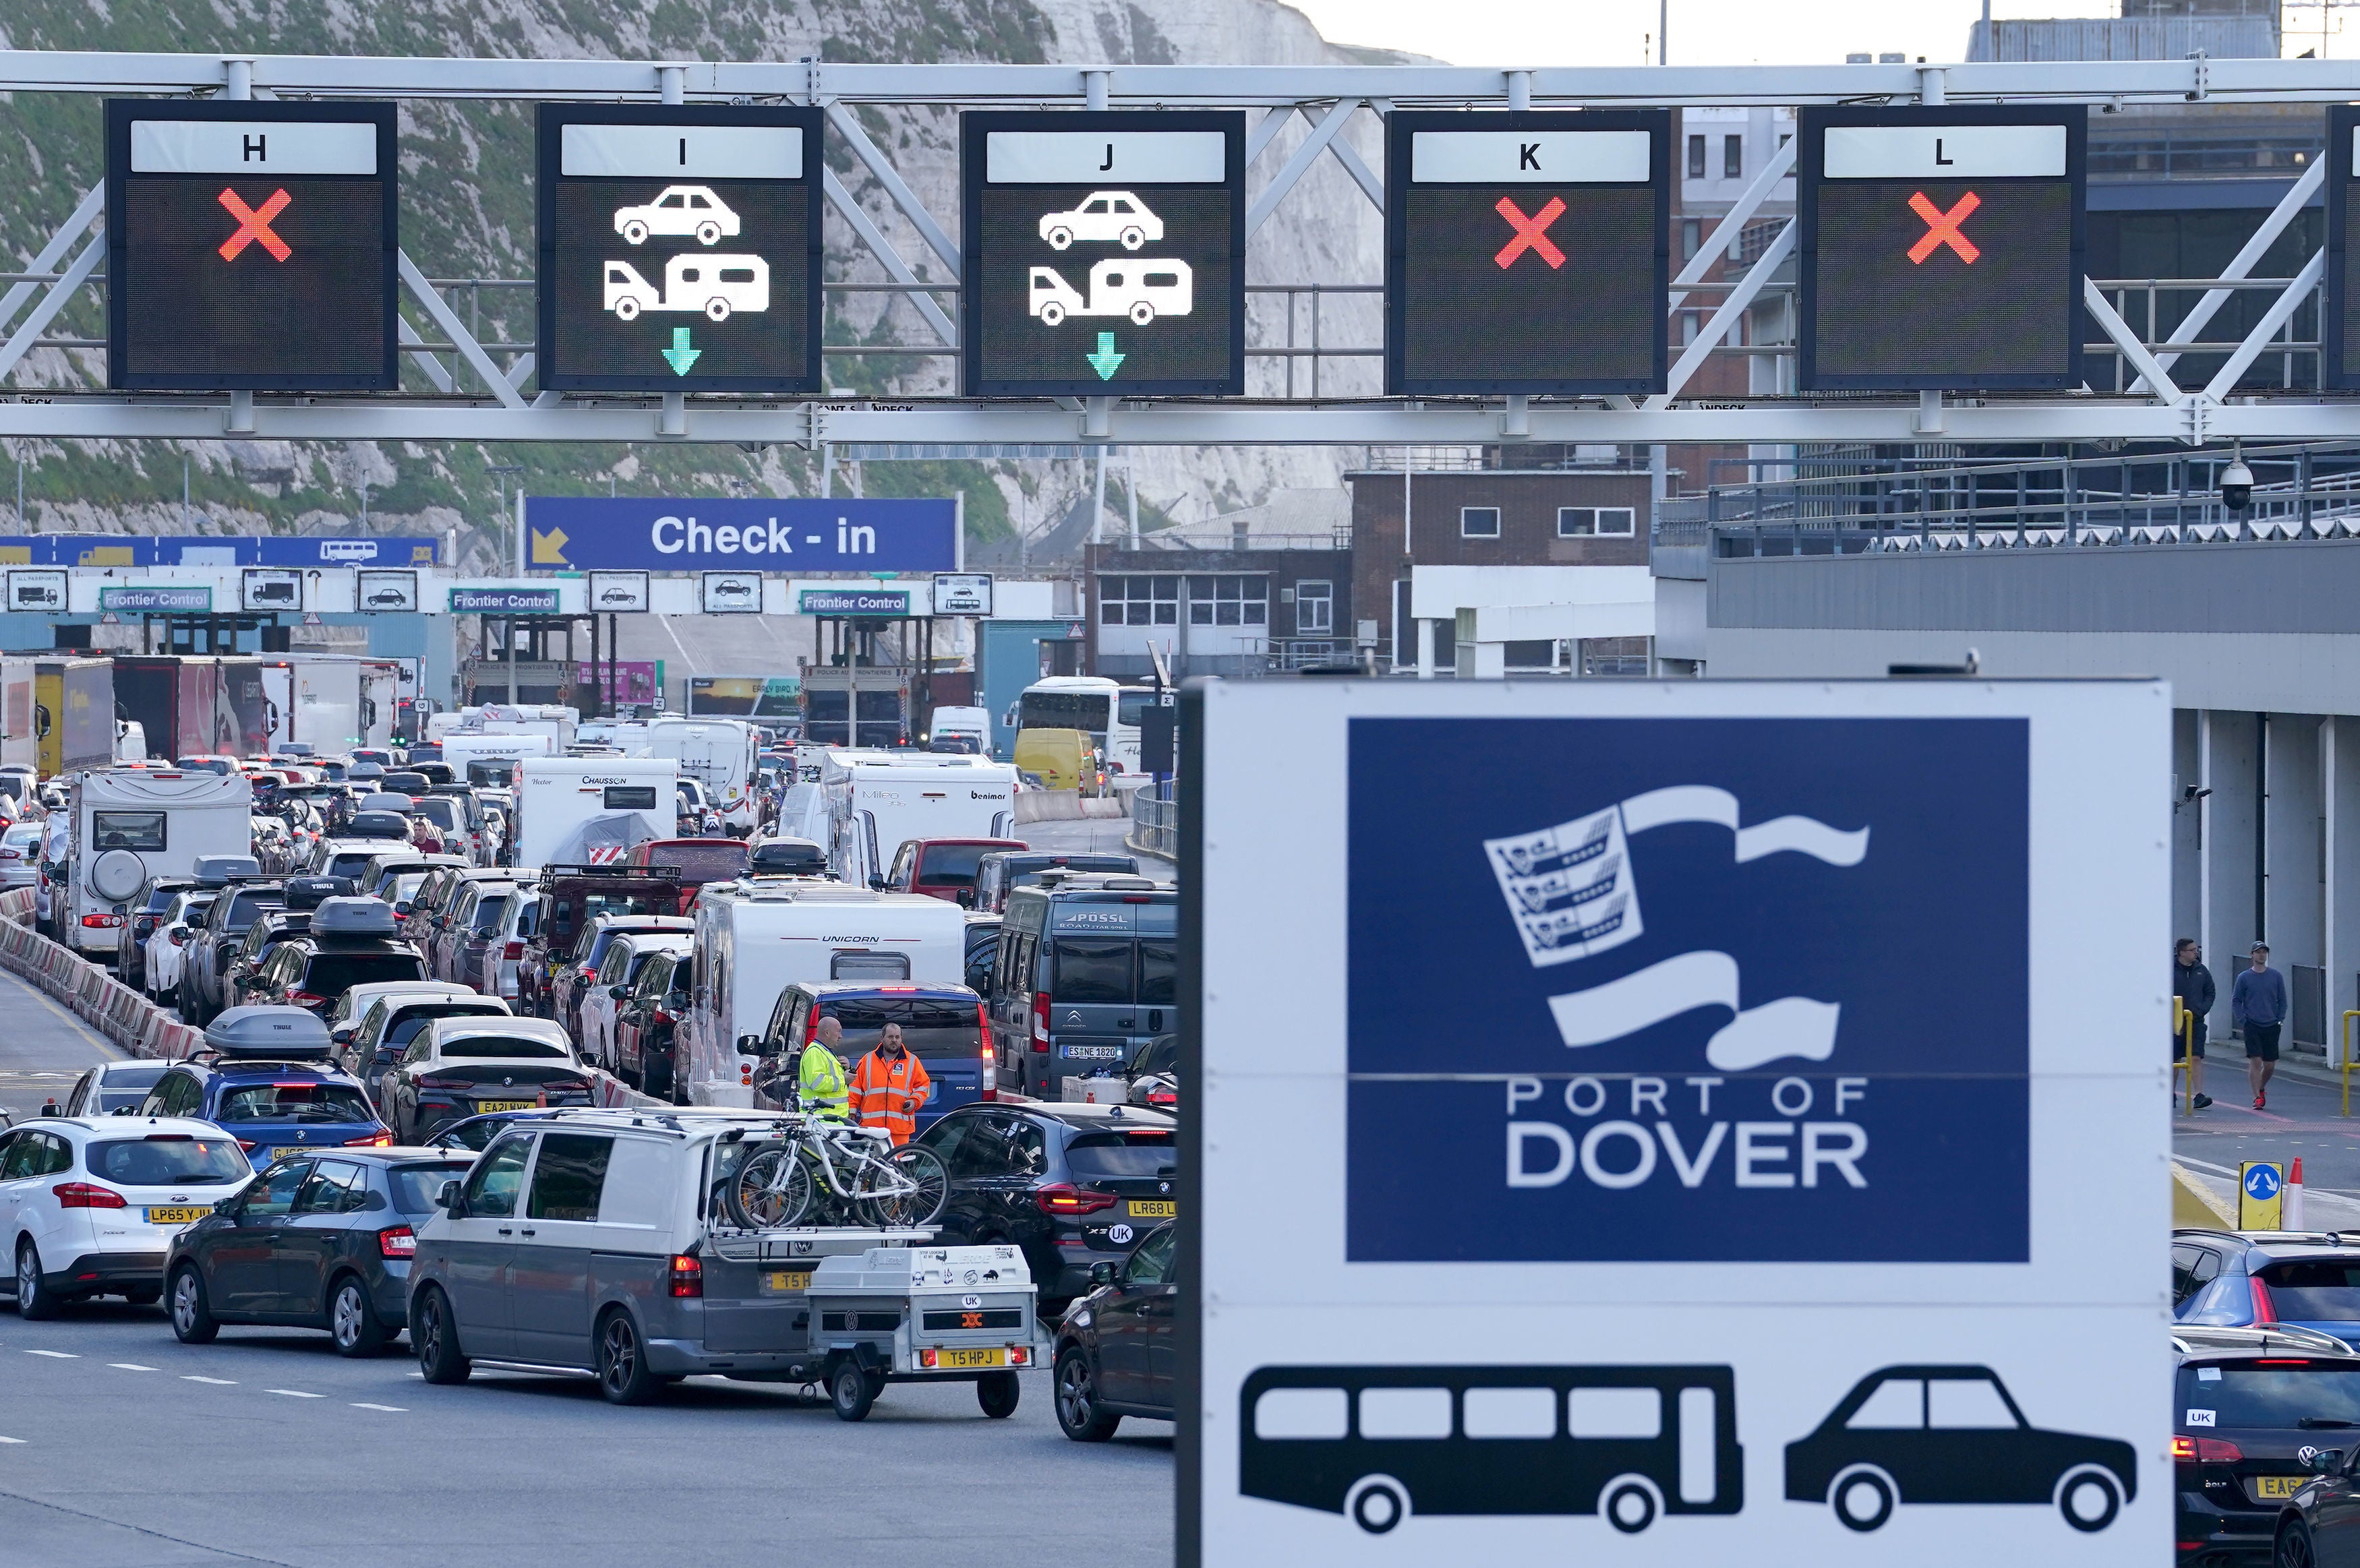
250 246
2340 343
1105 253
1526 251
680 248
1941 249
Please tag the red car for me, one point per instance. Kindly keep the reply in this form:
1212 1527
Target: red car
943 867
698 860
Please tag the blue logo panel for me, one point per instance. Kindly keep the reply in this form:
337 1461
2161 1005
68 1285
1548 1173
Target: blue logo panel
1688 990
797 537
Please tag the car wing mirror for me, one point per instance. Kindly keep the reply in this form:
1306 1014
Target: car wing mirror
749 1045
1101 1273
447 1197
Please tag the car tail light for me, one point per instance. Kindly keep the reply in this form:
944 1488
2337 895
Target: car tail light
399 1242
102 922
444 1084
512 952
1061 1198
1041 1020
2205 1451
381 1138
687 1275
82 1195
2265 1311
307 998
1162 1097
990 1053
566 1086
1017 1356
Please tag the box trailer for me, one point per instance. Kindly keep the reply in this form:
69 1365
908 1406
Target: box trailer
73 714
176 698
314 700
19 746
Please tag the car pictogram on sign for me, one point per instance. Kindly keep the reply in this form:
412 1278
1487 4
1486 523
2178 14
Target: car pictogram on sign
1115 215
680 210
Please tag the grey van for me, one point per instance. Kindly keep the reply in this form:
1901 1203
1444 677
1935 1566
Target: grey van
1087 971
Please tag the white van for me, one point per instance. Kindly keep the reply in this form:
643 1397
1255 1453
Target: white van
876 800
753 938
965 724
133 824
721 755
583 811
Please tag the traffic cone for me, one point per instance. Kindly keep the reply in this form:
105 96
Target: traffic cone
2292 1216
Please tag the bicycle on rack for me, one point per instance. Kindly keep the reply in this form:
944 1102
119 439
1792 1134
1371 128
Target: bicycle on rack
828 1172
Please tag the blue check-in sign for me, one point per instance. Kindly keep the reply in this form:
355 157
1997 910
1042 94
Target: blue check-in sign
801 536
1688 990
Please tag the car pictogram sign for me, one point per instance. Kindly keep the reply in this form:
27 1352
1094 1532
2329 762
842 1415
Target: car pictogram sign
254 224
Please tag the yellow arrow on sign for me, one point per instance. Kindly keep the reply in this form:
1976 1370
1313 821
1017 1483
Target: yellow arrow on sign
549 549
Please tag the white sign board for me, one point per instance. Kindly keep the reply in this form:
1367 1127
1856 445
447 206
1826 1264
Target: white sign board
42 590
963 592
618 593
387 592
270 588
1717 1121
729 593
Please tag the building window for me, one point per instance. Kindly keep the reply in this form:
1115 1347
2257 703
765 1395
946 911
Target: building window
1691 237
1139 601
1688 319
1315 608
1230 602
1479 522
1587 522
1732 158
1696 157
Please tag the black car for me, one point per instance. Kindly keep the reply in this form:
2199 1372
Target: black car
260 940
1118 1350
350 943
317 1242
210 946
1073 1185
646 1022
131 950
2253 1410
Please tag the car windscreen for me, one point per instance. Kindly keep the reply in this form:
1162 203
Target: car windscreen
931 1026
293 1102
474 1133
439 810
2322 1393
333 974
951 865
405 1027
1063 711
790 860
414 1186
165 1160
1095 1154
133 1075
404 887
2311 1288
348 863
715 862
504 1047
247 907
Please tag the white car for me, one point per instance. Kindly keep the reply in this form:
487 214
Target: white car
519 923
20 855
1116 215
680 210
624 957
166 944
56 828
89 1205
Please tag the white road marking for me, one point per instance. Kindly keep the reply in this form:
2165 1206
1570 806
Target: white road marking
365 1405
216 1382
295 1393
131 1367
420 1376
15 1439
55 1355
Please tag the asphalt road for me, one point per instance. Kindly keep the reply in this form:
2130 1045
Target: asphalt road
43 1048
2304 1118
1094 835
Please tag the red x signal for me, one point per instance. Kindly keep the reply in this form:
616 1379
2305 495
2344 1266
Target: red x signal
1942 228
254 225
1528 231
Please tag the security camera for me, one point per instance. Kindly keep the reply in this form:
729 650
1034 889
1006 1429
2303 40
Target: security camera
2237 486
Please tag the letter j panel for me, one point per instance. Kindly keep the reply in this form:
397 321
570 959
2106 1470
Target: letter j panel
1105 253
1941 248
1526 251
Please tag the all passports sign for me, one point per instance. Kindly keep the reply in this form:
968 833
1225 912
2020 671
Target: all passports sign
1667 1102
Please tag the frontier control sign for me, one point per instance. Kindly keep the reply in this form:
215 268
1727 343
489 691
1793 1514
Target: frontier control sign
1692 1216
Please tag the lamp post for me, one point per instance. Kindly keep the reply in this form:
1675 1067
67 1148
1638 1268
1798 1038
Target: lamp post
504 470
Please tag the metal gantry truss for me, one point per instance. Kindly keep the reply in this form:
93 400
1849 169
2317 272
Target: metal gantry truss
2153 407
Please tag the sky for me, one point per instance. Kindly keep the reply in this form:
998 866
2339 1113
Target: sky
1703 32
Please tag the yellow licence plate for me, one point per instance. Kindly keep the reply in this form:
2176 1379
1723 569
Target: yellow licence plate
1154 1208
960 1360
2279 1485
185 1215
483 1106
778 1281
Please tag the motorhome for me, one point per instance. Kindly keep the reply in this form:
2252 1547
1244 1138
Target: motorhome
719 753
753 938
460 749
585 810
133 824
558 723
876 800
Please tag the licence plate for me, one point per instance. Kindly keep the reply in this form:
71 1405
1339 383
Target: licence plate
961 1360
187 1214
2267 1486
1153 1208
483 1106
1094 1052
783 1282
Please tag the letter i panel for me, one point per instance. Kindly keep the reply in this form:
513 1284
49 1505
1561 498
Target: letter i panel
1526 251
680 248
1941 248
2339 344
1105 253
251 247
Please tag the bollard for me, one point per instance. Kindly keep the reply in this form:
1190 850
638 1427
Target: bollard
2291 1208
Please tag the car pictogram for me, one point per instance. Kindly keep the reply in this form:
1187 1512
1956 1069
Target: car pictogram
1116 215
680 210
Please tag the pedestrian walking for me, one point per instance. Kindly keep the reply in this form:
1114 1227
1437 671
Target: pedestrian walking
2192 984
2258 1005
889 1085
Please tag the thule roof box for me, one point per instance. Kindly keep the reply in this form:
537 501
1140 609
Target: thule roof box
353 917
221 870
375 825
305 892
549 874
266 1032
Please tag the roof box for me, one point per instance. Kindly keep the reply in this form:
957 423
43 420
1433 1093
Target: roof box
406 781
353 917
268 1033
305 892
377 824
365 770
221 870
384 801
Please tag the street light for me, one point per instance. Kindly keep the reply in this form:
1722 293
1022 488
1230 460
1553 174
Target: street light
504 470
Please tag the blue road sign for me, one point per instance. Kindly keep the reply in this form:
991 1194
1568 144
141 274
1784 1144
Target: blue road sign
131 550
2261 1182
798 536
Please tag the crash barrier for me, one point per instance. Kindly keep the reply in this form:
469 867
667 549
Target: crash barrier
1154 821
1063 806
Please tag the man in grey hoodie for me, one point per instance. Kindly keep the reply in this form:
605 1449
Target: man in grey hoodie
2257 1003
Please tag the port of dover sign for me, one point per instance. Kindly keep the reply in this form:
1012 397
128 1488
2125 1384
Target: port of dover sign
1692 1100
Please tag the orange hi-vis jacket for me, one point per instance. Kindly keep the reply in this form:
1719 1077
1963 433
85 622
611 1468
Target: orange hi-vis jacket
888 1094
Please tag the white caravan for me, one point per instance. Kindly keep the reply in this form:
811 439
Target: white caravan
753 938
717 285
574 811
1141 291
721 755
133 824
876 800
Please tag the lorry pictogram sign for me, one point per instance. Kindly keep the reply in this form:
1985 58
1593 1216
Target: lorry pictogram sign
254 225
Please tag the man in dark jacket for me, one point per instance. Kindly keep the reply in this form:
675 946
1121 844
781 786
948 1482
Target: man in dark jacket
2192 984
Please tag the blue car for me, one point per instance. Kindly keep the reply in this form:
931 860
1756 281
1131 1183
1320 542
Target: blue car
2250 1279
263 1077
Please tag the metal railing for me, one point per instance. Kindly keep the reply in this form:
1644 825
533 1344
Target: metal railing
1155 821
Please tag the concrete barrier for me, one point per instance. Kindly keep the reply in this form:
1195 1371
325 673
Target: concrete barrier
1066 806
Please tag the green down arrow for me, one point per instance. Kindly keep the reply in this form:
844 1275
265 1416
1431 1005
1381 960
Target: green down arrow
1105 361
679 357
